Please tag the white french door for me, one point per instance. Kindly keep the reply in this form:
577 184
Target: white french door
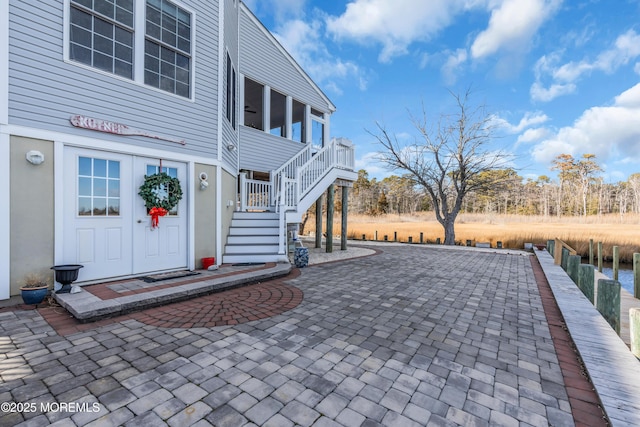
106 227
163 247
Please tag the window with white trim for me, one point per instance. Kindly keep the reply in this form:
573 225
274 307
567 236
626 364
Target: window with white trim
102 35
98 187
167 47
231 92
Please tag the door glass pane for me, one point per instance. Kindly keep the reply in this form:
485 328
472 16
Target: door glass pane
94 187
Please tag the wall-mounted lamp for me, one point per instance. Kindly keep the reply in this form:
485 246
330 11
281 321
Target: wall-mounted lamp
231 147
203 180
35 157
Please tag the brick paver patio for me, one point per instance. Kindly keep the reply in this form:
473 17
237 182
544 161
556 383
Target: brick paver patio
411 336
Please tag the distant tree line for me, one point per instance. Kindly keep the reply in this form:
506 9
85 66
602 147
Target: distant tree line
578 190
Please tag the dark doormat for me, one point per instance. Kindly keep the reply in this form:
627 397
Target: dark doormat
167 276
246 264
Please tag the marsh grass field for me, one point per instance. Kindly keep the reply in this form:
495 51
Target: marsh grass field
512 230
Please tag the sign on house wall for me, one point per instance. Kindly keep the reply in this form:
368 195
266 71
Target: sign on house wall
106 126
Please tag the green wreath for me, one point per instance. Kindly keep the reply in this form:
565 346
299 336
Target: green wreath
153 188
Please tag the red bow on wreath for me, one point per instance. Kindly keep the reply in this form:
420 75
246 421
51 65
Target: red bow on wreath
156 213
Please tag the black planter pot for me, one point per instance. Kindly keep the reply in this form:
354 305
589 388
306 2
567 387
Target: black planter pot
66 275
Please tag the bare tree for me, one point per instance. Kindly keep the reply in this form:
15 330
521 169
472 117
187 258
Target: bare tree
448 161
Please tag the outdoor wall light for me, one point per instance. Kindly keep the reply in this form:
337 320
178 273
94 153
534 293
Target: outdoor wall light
203 180
231 147
35 157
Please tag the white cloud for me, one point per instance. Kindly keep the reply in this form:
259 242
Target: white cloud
533 135
564 77
609 132
453 64
393 23
512 25
528 120
304 42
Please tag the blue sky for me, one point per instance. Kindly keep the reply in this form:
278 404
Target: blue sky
561 76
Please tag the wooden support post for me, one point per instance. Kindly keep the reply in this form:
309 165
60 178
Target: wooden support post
636 275
634 326
586 277
421 237
608 303
600 255
499 244
551 246
319 222
395 236
375 237
591 251
345 210
573 264
330 208
564 258
410 239
616 262
437 241
557 252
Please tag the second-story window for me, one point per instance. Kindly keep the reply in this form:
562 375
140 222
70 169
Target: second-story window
167 59
278 113
253 104
101 35
231 92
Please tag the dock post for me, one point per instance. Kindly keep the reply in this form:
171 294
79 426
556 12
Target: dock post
421 237
591 251
600 255
634 322
573 264
636 275
586 277
616 262
608 303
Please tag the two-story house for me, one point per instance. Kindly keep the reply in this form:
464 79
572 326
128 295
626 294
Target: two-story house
96 96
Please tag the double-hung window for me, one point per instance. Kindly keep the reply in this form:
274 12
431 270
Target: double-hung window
167 47
101 35
106 34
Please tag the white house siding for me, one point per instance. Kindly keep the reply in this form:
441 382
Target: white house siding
263 152
263 59
229 134
45 91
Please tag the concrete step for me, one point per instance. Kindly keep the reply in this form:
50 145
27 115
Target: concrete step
243 258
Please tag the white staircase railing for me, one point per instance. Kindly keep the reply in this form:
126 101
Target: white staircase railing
291 182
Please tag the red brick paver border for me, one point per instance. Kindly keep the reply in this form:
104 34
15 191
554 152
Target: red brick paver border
230 307
586 407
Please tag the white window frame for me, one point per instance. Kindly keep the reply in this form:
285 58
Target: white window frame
139 34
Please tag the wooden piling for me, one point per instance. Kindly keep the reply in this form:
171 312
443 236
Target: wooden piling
330 208
636 275
319 222
395 236
634 326
376 236
551 247
564 258
343 222
586 277
608 303
616 262
600 255
410 239
437 241
573 265
421 237
591 251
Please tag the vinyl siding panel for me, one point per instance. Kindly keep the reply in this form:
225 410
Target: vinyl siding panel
229 134
263 152
45 91
263 61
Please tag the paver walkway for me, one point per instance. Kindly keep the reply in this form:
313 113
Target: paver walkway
406 337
